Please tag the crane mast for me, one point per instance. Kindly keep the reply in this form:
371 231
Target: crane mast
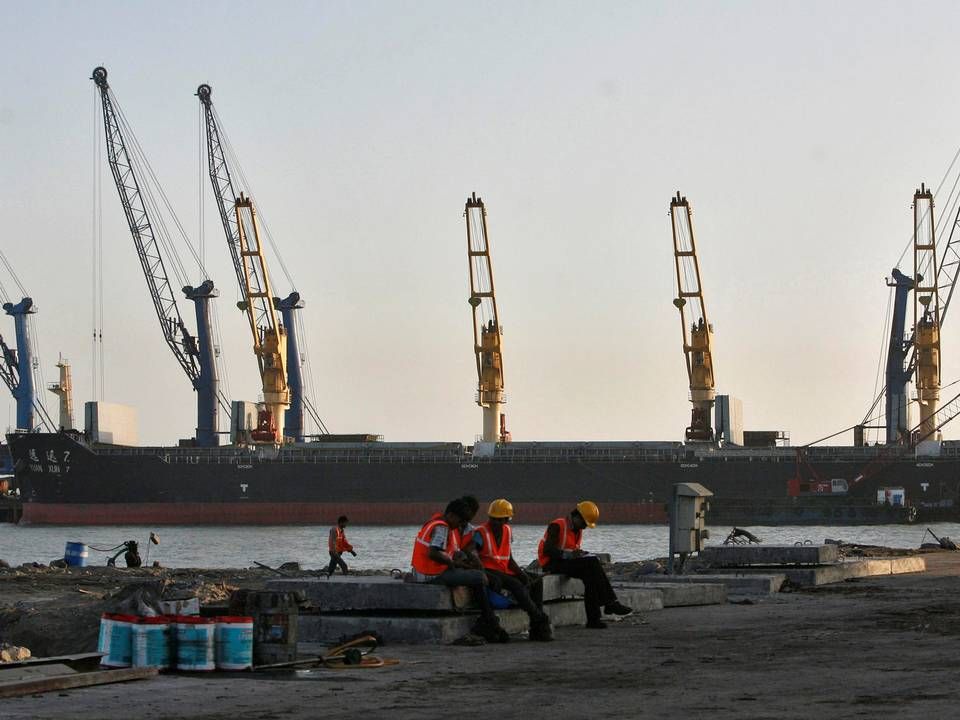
487 332
18 365
898 374
269 336
697 330
63 389
195 355
926 310
275 345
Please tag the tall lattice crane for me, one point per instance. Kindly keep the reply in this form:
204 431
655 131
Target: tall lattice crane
253 279
697 330
194 354
487 332
926 309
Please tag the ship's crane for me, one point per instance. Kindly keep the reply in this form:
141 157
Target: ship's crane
276 345
926 309
63 389
487 331
194 354
697 330
898 376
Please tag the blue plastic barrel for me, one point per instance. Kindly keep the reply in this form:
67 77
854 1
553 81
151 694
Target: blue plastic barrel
75 555
116 639
195 643
151 642
234 639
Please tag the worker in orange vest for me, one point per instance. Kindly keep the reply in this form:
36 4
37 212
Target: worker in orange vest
337 545
438 558
492 542
559 552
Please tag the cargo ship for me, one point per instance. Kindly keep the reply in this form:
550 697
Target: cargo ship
64 480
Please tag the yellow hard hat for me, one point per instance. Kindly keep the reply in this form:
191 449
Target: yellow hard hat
500 508
589 512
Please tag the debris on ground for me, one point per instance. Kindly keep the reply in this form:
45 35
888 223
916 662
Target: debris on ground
13 653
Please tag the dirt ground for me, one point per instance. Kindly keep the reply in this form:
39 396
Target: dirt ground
875 647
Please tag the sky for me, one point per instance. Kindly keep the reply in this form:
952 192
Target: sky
798 131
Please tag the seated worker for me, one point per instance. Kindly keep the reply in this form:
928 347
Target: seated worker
559 552
437 558
337 545
492 543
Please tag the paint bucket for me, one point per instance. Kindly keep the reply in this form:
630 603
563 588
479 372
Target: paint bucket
234 640
195 643
116 639
75 554
151 642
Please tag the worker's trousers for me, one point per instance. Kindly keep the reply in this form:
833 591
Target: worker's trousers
519 590
475 580
337 559
597 591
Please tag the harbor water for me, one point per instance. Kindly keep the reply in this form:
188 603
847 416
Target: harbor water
386 547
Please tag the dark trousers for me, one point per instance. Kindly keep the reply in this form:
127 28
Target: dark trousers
597 590
474 579
521 592
337 559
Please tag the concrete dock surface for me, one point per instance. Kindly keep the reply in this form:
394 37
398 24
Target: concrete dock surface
870 647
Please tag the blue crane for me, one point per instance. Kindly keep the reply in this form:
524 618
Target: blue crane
194 354
17 367
225 191
898 372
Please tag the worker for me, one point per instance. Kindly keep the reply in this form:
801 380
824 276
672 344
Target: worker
493 544
559 552
437 558
337 545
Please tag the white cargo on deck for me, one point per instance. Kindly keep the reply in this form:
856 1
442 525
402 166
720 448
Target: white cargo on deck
728 419
110 423
243 419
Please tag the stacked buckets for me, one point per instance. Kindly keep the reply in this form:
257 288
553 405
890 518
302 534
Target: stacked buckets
183 642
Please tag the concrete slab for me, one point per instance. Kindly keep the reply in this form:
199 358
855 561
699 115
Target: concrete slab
737 584
355 592
417 630
679 594
838 572
745 555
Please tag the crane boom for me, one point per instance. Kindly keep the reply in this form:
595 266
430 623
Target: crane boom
195 355
276 344
487 331
697 330
926 309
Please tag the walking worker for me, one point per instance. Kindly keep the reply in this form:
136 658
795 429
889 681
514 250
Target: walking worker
492 542
437 558
337 545
559 552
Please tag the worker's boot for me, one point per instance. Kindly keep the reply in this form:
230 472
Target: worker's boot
617 608
541 629
490 630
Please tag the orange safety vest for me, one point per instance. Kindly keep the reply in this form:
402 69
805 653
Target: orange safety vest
493 556
421 547
340 544
569 539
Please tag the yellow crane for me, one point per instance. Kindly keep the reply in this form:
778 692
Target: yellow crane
269 336
697 330
487 333
926 310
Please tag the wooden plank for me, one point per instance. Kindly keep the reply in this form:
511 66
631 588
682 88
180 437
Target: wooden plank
80 661
77 680
30 672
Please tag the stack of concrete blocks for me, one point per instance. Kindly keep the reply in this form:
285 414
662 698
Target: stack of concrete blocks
802 565
402 612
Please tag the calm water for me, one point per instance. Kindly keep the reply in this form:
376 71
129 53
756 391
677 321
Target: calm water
386 547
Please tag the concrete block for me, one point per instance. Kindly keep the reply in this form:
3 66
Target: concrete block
746 555
840 571
737 584
381 593
678 594
407 630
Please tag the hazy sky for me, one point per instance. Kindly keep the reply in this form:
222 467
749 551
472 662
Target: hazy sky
798 131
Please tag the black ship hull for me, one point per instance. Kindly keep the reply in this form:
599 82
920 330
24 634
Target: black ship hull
63 481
